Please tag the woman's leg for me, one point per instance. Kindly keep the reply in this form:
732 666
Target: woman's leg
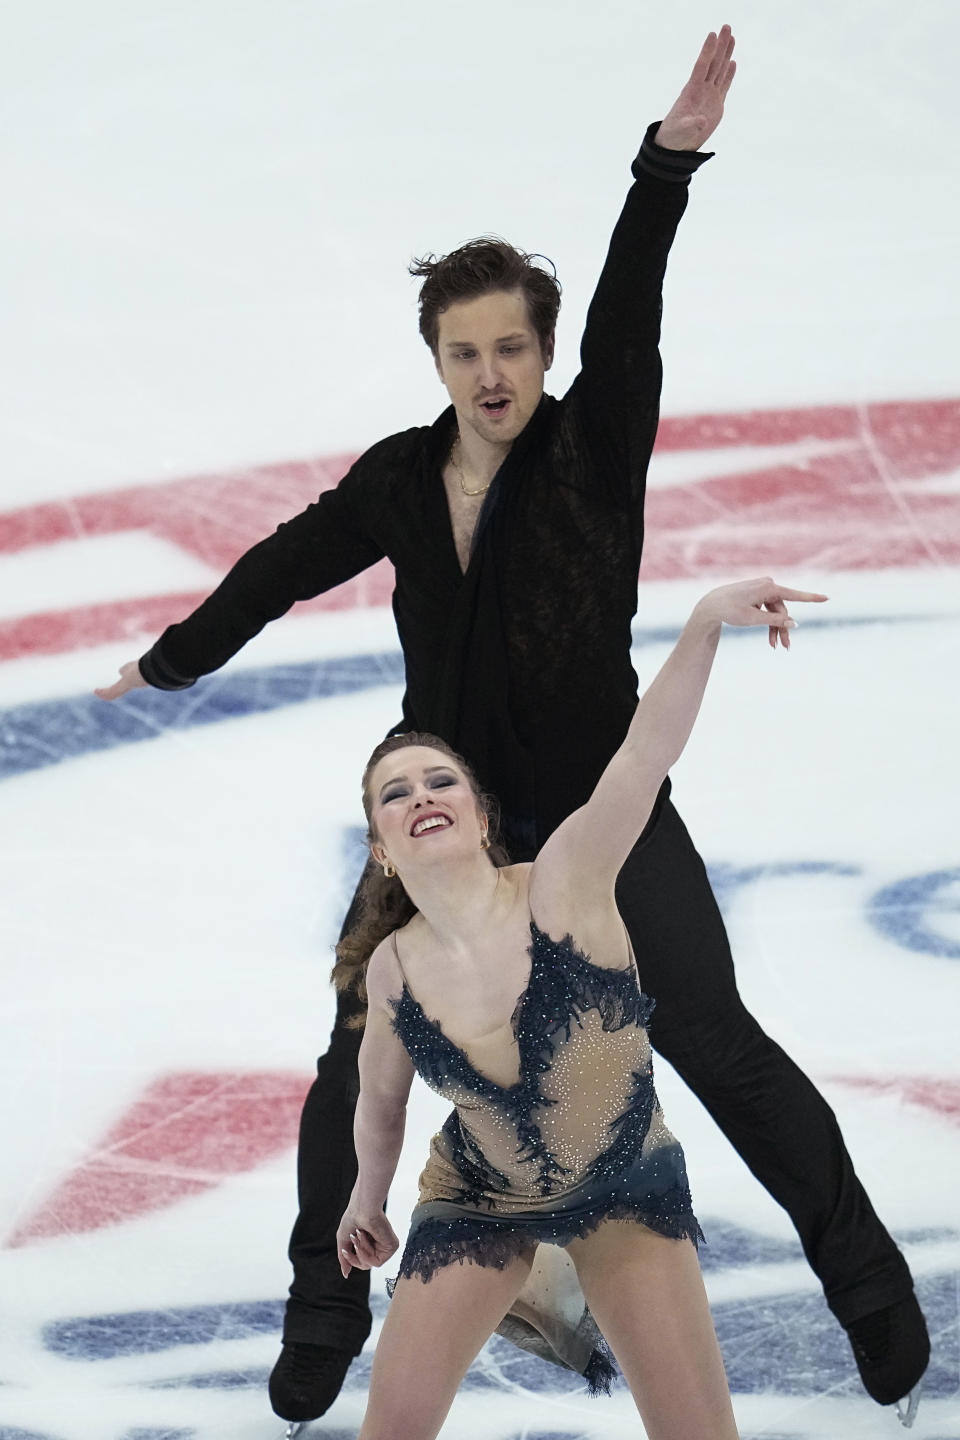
646 1294
433 1331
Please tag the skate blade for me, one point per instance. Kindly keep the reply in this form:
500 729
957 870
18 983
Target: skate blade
295 1427
907 1407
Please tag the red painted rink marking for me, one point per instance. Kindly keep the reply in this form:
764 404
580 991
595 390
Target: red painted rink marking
860 502
190 1131
941 1096
186 1133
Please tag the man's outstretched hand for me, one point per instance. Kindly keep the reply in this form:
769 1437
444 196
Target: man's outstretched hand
698 109
130 679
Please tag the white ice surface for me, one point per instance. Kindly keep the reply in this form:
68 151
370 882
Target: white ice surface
208 212
94 569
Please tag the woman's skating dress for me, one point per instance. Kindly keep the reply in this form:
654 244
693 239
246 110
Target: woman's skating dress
577 1139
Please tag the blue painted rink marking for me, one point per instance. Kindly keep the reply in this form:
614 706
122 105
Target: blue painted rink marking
776 1343
35 735
787 1342
47 732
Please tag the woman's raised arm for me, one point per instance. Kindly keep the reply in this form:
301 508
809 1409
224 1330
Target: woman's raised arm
585 854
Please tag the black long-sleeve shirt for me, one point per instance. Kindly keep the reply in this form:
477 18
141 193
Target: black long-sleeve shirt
523 663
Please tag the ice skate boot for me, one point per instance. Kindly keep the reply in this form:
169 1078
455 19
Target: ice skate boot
892 1350
305 1381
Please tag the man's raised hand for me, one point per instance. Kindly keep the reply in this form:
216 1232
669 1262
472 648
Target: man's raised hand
755 602
698 109
130 679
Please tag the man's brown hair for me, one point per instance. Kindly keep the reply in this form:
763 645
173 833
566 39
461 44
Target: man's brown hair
478 267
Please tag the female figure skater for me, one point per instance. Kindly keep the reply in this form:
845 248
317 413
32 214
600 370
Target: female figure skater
512 989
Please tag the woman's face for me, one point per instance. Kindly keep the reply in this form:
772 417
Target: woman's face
422 809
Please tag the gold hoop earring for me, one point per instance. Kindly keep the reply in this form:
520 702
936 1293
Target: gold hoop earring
388 870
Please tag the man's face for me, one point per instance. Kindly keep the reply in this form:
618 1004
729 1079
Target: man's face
490 360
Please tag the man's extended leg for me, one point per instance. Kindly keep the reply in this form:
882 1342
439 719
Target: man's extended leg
327 1317
768 1109
323 1308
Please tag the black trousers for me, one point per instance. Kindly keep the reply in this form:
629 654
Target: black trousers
768 1109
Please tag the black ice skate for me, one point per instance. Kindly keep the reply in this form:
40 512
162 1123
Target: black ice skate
892 1351
305 1382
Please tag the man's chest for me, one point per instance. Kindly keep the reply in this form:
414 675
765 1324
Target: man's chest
463 513
533 540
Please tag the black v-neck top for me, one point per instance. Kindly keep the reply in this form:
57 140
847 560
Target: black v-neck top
522 663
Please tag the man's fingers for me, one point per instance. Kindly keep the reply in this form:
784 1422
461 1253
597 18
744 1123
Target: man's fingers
721 50
727 81
130 679
701 66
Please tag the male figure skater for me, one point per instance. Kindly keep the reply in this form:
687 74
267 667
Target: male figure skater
514 524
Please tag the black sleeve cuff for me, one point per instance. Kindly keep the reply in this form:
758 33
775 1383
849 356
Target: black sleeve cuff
675 165
158 674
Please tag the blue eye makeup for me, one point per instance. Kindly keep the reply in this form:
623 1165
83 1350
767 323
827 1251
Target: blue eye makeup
401 788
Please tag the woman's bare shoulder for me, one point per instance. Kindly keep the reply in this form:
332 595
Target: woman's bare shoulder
384 976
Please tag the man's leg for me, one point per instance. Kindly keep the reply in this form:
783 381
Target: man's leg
323 1308
327 1318
768 1109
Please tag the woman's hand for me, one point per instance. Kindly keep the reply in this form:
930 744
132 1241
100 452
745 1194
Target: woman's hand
754 602
365 1238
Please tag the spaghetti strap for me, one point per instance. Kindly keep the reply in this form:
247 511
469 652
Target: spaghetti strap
630 950
396 951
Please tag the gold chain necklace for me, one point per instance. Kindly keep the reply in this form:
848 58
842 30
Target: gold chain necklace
454 461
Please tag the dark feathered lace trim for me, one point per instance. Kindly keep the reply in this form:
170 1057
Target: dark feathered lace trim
632 1128
438 1060
564 984
601 1370
479 1176
434 1244
437 1243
